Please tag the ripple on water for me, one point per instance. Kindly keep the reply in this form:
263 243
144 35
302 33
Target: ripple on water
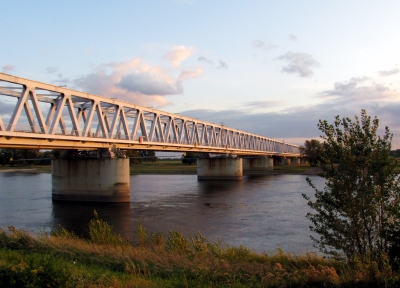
262 213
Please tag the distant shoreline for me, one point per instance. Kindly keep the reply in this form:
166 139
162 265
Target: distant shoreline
28 170
170 168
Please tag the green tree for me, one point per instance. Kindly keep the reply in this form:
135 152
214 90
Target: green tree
312 150
148 155
5 156
190 157
356 214
134 157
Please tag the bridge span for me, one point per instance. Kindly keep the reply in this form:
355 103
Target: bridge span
44 116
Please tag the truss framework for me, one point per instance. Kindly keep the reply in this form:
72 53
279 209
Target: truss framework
39 115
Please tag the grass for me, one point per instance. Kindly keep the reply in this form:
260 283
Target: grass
163 167
61 259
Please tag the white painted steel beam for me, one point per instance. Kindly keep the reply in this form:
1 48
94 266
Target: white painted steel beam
50 117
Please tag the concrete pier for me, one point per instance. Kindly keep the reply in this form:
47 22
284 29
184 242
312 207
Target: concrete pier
97 180
295 161
281 161
257 164
219 169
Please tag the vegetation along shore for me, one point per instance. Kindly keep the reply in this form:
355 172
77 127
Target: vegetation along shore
104 259
161 167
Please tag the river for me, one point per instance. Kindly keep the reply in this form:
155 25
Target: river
261 213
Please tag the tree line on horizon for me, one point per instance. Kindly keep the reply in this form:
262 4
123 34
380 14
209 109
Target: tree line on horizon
26 157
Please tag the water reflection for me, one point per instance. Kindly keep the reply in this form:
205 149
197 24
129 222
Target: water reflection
75 216
261 212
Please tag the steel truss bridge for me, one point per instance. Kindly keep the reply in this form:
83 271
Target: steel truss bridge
43 116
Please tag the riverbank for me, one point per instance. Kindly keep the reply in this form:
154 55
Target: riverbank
61 259
165 167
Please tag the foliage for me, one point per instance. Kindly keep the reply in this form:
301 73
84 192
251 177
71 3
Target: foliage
148 155
58 261
312 150
134 157
18 270
139 156
24 157
101 232
395 153
63 233
190 157
356 213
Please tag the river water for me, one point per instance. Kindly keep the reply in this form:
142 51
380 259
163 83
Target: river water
262 213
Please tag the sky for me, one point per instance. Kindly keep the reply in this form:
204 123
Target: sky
274 68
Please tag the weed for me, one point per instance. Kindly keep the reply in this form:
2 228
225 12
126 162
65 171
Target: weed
101 232
62 259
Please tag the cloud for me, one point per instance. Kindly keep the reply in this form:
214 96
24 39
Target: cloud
293 37
62 81
222 65
178 54
297 124
8 68
6 108
205 60
190 73
362 89
136 82
148 83
261 44
263 104
51 70
298 63
388 72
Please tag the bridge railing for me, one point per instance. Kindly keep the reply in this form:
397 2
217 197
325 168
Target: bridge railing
42 109
144 139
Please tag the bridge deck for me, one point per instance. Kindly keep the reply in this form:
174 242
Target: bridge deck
44 116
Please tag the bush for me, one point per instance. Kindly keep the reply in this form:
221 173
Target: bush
357 213
102 233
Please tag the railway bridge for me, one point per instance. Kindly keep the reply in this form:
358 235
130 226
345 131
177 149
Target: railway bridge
43 116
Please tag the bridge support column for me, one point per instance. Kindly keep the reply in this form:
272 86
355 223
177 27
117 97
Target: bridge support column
260 164
97 180
219 169
303 160
295 161
281 161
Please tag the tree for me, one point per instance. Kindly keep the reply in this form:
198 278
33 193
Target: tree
148 155
190 157
5 156
311 150
139 156
356 214
134 157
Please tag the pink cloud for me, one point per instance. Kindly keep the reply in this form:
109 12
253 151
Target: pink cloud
136 82
8 68
178 54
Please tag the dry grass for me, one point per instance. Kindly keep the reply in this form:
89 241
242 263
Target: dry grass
170 261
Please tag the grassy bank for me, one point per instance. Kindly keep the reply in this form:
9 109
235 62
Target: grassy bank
61 259
161 167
